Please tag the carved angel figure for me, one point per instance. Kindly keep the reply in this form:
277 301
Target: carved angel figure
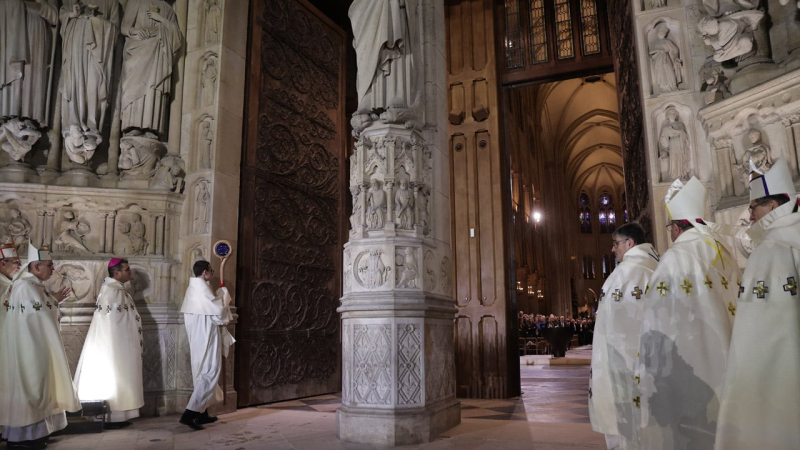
71 234
730 36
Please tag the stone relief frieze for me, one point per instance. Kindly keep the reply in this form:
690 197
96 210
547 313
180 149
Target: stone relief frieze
376 206
16 229
168 175
372 367
410 384
134 229
407 269
74 275
404 206
372 268
72 232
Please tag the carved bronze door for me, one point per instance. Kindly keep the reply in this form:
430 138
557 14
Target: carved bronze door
292 206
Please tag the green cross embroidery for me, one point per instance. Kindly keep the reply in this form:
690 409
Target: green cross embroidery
646 289
638 401
724 282
687 286
760 290
37 306
732 308
637 293
617 295
662 289
7 305
791 286
708 283
49 305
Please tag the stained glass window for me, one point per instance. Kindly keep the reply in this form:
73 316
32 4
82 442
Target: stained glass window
513 43
564 42
539 50
590 32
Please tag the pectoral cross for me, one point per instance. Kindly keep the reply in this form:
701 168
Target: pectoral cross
37 306
760 290
617 295
708 283
791 286
732 308
724 282
7 305
662 289
687 286
637 293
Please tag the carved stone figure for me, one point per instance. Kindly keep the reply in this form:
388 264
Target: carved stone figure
422 207
208 82
758 156
355 218
386 51
89 33
71 234
139 155
213 20
404 206
376 206
72 276
167 176
26 34
730 36
197 255
202 210
665 61
715 86
17 137
657 3
673 144
152 41
375 271
18 229
135 231
408 276
206 140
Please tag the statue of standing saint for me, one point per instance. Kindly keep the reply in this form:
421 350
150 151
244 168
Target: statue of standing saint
673 144
152 41
665 61
376 206
89 33
386 45
404 206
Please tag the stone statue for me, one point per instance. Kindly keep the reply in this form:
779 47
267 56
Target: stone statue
72 276
167 176
208 82
376 206
17 137
715 86
408 277
18 229
422 209
213 20
355 218
404 206
26 38
135 231
758 156
657 3
386 49
375 272
89 33
139 156
673 144
197 255
666 65
202 208
152 41
206 143
71 234
730 36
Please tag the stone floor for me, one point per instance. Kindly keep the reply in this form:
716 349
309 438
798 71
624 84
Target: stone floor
551 414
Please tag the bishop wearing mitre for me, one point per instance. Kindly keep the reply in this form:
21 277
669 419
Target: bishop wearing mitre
760 404
686 328
206 315
110 367
616 338
35 383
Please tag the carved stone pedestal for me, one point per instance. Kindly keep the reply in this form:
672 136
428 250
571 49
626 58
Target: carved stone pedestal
17 173
398 357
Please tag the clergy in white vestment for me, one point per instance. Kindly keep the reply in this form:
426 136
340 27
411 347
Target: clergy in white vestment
35 382
206 315
9 266
686 328
110 367
616 338
760 406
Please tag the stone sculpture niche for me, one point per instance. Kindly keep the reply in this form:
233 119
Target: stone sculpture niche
674 148
201 223
386 52
135 232
376 206
758 156
213 20
209 73
71 234
404 206
16 230
666 63
407 269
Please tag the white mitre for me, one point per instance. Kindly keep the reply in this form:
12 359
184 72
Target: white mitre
686 202
777 180
8 250
35 254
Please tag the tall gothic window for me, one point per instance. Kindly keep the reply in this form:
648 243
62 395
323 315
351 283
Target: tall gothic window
624 208
564 41
585 213
590 30
538 20
606 215
514 51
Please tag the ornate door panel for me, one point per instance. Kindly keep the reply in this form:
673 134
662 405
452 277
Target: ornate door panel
291 234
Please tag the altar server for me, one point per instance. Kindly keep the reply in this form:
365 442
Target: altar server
760 403
110 367
686 328
206 315
616 338
35 382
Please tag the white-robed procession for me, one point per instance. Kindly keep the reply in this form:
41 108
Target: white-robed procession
110 367
616 339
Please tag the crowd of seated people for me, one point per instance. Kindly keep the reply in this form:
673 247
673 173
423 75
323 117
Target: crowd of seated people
531 326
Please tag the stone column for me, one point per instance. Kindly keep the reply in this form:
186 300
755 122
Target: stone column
398 357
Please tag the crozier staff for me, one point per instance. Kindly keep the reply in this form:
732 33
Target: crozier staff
110 367
206 315
35 382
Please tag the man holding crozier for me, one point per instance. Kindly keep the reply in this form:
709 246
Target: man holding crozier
206 315
35 382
